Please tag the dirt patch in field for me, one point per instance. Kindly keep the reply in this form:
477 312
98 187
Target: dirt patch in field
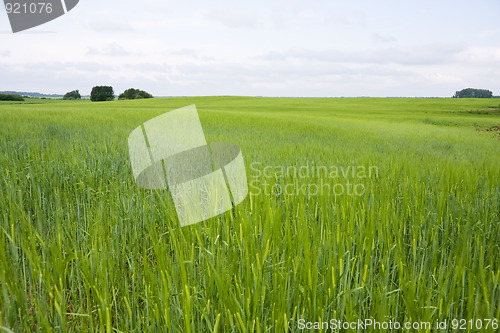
495 130
490 111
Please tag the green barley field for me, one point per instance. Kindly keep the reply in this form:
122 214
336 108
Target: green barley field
359 208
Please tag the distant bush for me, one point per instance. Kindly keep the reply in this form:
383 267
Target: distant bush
134 94
102 93
11 97
473 93
72 95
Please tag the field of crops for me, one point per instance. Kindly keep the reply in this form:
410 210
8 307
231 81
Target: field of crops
358 208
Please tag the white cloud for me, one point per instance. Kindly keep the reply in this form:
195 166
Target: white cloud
112 49
107 25
382 38
235 18
416 55
484 56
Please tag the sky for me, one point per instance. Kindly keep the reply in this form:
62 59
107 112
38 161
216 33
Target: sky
259 48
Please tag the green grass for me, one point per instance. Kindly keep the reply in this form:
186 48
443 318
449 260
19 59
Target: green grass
82 248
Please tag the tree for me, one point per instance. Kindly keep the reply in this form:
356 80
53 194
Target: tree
72 95
134 94
11 97
473 93
143 94
102 93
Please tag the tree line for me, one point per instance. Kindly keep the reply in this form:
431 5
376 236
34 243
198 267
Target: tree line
11 97
98 94
106 93
473 93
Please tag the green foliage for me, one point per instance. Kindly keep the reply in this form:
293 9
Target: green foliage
134 94
102 93
83 249
473 93
11 97
72 95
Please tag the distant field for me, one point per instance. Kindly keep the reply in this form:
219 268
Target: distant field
417 239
